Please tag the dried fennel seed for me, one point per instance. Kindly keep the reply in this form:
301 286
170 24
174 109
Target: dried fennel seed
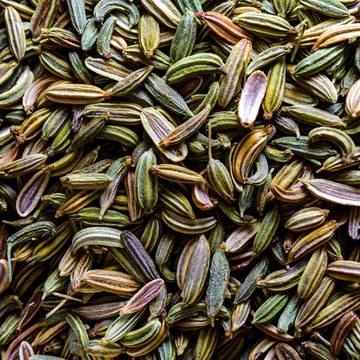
179 180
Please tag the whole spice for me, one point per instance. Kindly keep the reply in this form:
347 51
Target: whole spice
179 179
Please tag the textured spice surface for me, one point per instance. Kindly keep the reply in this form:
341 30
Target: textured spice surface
179 179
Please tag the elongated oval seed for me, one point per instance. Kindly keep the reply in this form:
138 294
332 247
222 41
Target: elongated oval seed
251 98
16 32
77 94
192 269
32 192
146 294
333 191
346 270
